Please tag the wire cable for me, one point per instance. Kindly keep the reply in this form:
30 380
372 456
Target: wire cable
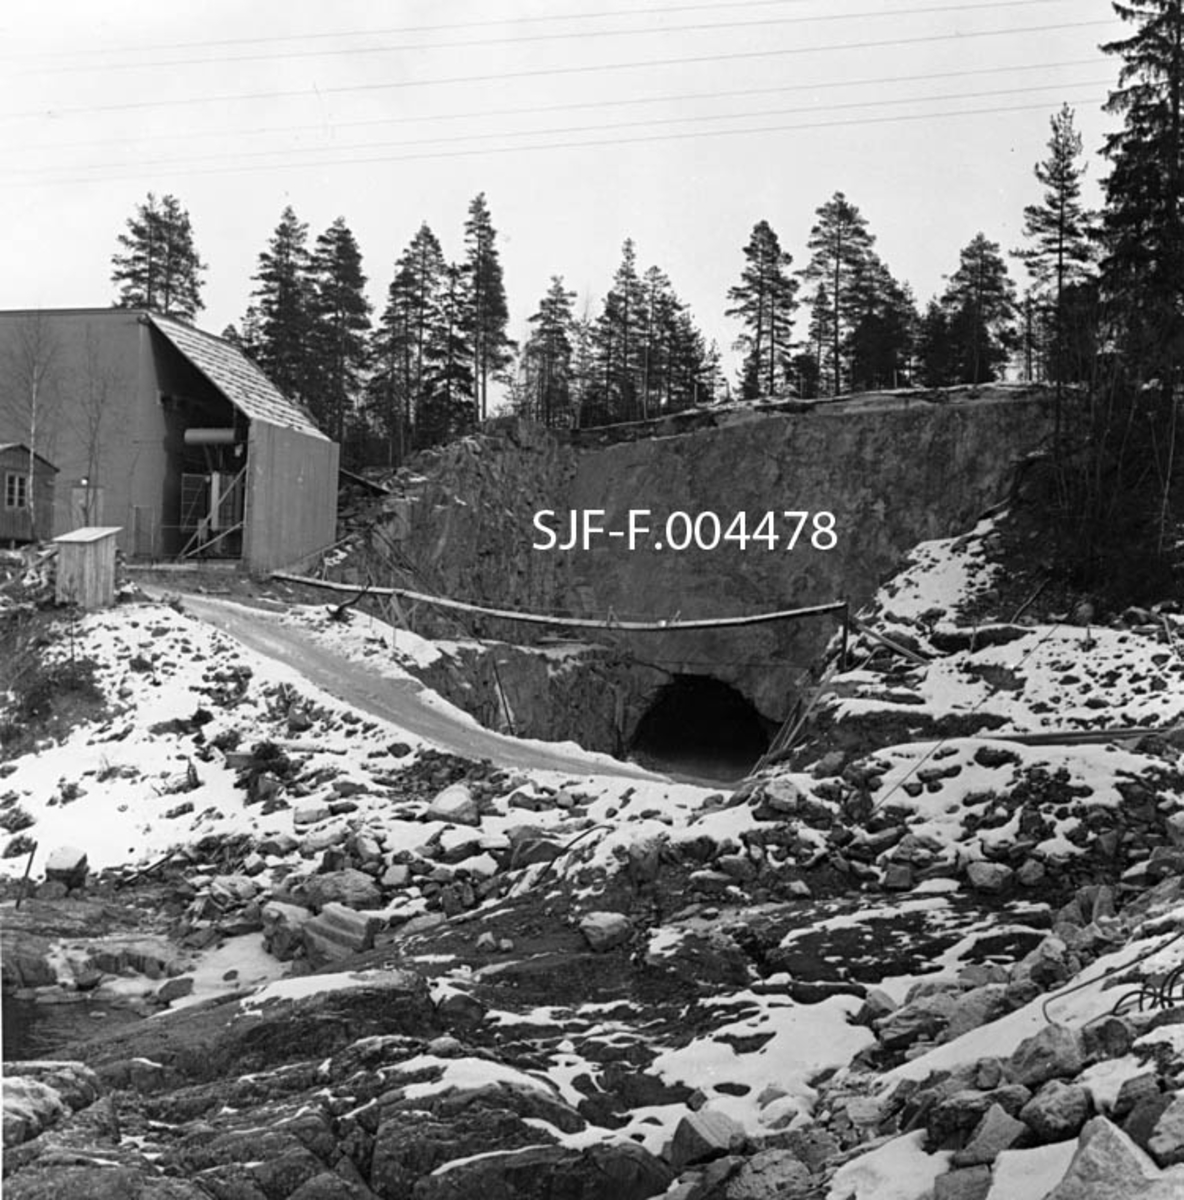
486 44
185 135
589 143
489 24
288 152
552 72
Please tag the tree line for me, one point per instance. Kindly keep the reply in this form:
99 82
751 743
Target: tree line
1101 318
421 372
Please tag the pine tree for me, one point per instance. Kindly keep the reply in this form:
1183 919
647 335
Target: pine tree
339 327
447 408
979 304
403 345
764 300
619 341
935 351
1060 253
880 343
547 356
1143 226
283 307
488 312
160 269
839 244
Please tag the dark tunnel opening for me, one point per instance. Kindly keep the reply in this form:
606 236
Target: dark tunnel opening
700 727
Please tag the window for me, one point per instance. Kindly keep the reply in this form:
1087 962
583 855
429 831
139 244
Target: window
16 490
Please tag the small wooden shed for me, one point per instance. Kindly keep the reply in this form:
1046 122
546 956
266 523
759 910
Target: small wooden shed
86 566
16 514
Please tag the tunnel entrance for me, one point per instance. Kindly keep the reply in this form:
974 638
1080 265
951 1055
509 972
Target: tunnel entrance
699 726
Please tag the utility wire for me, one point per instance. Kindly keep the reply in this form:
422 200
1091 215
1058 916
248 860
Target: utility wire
185 135
486 44
551 72
574 145
489 24
287 152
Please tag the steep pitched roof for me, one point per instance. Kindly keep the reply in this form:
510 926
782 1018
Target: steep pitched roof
236 377
21 446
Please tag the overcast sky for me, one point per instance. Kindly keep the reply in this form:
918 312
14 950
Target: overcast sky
677 124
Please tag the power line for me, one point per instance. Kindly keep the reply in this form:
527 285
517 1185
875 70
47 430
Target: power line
489 24
567 35
590 143
544 72
597 128
532 110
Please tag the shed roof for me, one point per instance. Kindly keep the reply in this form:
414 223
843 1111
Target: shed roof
21 446
236 377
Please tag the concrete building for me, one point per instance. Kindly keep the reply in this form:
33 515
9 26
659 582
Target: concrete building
168 432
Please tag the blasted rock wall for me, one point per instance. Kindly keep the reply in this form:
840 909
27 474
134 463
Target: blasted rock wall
893 469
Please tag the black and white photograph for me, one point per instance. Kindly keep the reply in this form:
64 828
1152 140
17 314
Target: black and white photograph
592 600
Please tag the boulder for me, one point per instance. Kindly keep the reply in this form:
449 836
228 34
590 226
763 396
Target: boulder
350 887
68 866
963 1183
975 1008
29 1106
990 878
1167 1140
282 929
704 1135
310 812
996 1132
770 1175
1108 1164
924 1017
455 804
174 989
1057 1111
1053 1053
338 932
604 930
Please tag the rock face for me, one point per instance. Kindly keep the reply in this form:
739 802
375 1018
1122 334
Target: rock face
467 520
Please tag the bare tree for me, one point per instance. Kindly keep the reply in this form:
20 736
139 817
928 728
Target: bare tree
29 387
93 389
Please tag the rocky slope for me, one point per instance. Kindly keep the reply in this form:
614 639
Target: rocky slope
936 951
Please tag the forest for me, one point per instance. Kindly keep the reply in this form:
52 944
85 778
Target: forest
1100 317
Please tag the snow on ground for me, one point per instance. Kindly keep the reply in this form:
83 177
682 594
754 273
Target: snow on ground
128 782
1030 1174
802 1040
941 576
898 1170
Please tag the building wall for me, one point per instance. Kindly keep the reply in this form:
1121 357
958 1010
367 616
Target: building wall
100 416
15 524
291 507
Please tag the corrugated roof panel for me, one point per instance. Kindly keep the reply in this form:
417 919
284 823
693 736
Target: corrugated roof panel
236 377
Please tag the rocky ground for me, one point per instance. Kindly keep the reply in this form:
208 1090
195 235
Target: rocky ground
936 951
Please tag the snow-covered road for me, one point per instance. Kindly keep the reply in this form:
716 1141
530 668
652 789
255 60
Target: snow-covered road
401 701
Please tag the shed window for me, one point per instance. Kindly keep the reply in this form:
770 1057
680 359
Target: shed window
16 490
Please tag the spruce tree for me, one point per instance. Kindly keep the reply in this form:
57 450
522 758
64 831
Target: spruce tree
884 320
1059 255
1143 226
547 356
160 269
447 408
488 312
283 309
339 327
839 244
980 305
764 300
618 342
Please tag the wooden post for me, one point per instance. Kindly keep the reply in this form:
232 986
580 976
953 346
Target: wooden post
846 634
25 876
